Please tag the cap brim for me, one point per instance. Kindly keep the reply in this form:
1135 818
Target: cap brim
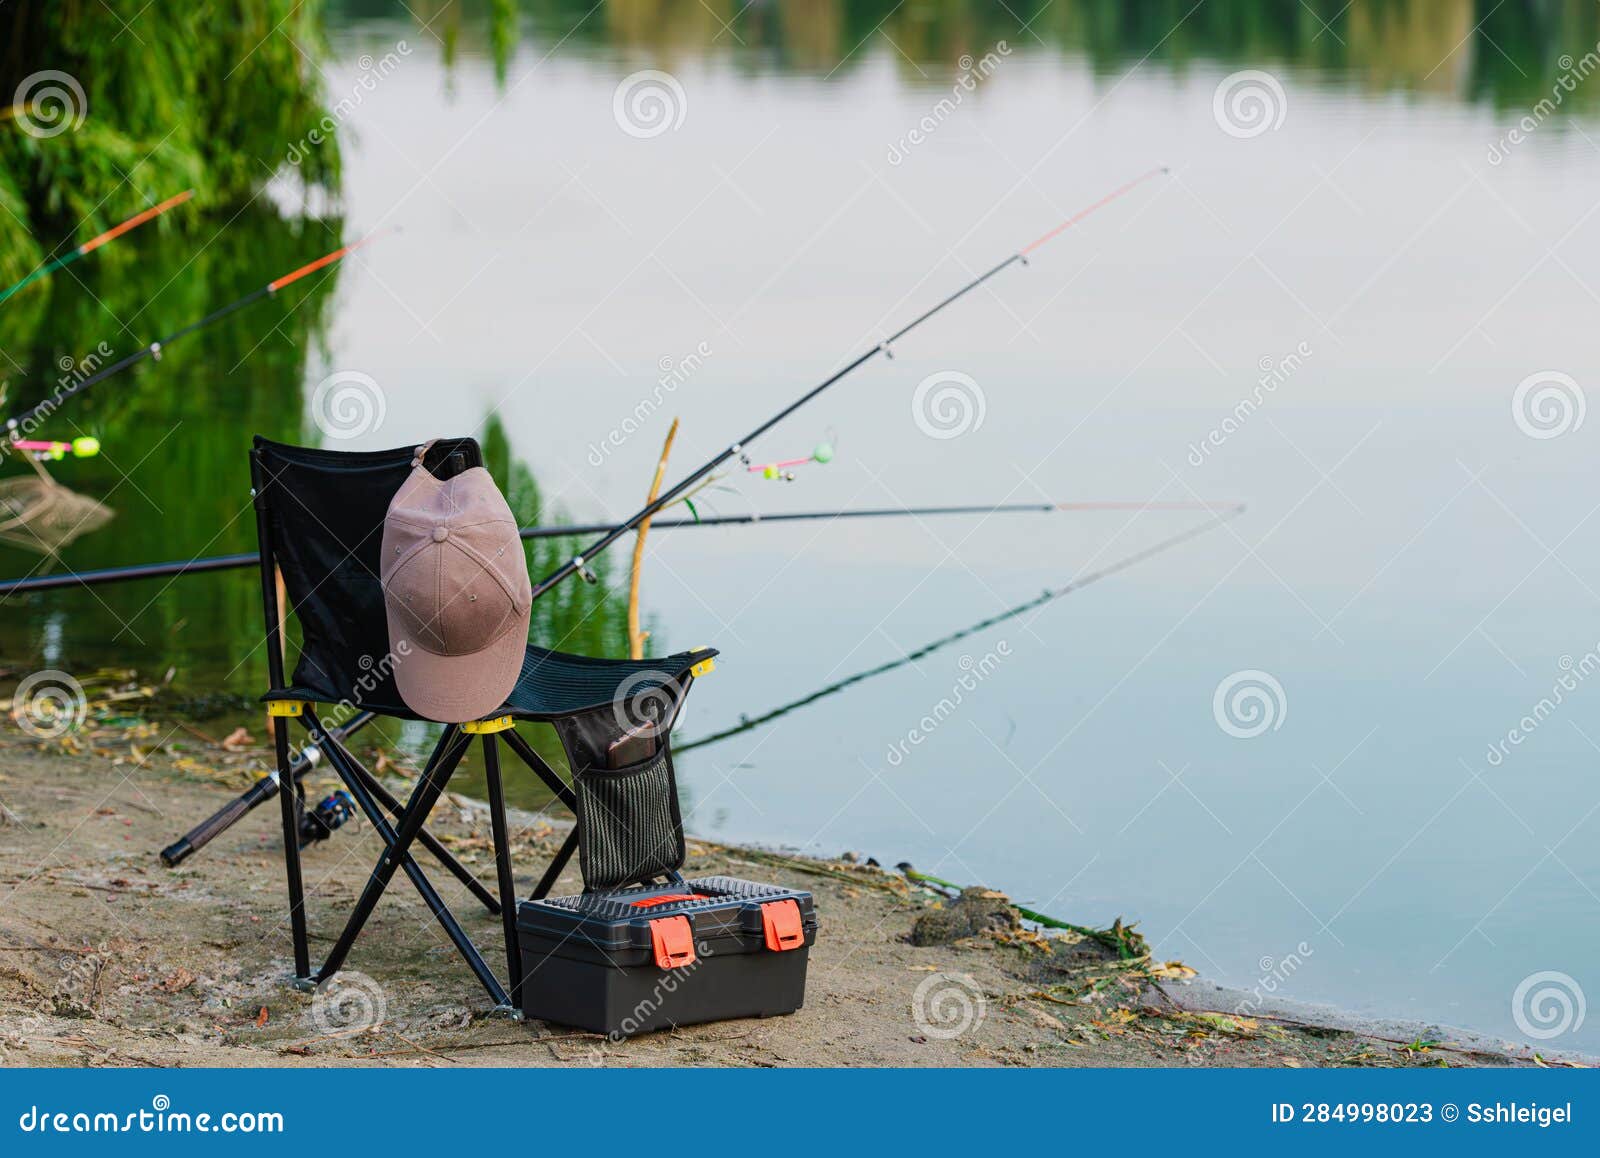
457 689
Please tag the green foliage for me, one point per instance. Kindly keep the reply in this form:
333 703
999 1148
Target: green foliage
502 35
17 250
1510 52
210 95
574 616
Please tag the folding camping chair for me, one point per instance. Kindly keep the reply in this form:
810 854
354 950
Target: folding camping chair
319 519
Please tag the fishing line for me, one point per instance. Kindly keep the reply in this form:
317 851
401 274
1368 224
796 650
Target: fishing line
155 349
927 649
178 567
578 564
96 242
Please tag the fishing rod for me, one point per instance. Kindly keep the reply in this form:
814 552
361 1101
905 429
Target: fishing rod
310 756
154 350
96 242
1049 594
264 790
578 564
178 567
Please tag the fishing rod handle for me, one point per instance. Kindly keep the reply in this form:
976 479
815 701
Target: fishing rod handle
219 822
236 810
258 793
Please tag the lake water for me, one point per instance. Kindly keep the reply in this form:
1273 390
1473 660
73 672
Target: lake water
1405 830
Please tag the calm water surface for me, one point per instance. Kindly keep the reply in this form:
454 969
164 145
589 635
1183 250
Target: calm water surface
1415 572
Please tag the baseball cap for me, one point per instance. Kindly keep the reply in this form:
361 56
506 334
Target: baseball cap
456 593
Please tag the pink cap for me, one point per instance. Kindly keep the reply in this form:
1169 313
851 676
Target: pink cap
456 593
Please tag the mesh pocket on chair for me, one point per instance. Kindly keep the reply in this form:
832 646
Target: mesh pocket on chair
628 824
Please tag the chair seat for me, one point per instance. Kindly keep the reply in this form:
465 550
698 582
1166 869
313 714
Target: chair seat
552 684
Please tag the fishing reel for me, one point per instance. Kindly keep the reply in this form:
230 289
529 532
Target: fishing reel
318 823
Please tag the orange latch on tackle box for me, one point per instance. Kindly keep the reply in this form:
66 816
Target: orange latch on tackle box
672 938
780 921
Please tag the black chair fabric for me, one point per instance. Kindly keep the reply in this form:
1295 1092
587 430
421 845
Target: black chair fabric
325 511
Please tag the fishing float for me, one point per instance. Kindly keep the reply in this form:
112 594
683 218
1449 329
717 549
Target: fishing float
85 446
578 564
268 786
784 469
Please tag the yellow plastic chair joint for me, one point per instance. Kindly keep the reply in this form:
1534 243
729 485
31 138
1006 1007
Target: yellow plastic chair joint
286 707
489 727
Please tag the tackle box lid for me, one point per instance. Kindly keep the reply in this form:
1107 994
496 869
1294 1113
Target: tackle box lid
727 911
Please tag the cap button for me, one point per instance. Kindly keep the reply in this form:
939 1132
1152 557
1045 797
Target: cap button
440 534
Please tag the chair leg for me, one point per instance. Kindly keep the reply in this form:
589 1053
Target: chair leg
446 755
502 860
540 768
564 793
289 805
344 764
428 841
349 770
557 863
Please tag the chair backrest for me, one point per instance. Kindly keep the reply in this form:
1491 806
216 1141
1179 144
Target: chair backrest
324 517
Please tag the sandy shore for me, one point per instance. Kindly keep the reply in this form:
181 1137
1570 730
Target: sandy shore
108 958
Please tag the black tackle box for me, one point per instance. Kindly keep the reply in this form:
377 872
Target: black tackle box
629 961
